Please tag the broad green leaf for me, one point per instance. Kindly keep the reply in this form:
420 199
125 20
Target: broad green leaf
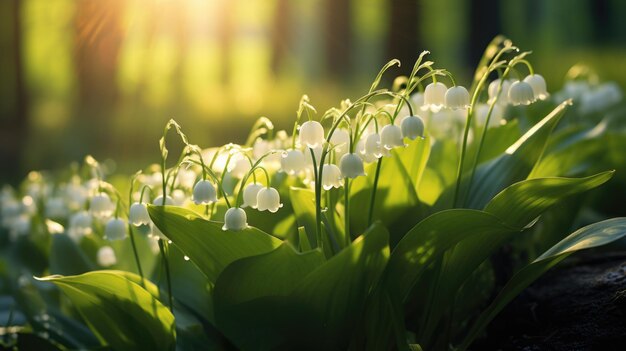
190 286
516 206
524 201
593 235
514 165
414 158
440 170
573 152
206 244
120 312
248 285
282 269
397 205
332 298
303 203
299 301
66 257
430 238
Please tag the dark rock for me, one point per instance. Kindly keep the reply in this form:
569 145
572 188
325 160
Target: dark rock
579 306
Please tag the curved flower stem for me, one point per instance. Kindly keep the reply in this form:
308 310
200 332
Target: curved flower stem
468 122
370 214
130 228
484 133
164 248
318 200
346 215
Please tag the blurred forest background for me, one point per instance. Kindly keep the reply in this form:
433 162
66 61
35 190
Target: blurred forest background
102 77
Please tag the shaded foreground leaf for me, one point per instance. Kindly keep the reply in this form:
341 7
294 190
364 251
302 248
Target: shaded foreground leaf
206 244
593 235
120 312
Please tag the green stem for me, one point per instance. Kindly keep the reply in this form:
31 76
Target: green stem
346 191
318 200
373 195
135 252
163 247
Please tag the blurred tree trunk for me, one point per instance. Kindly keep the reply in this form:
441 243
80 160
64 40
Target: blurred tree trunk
403 42
337 37
225 37
182 43
280 35
98 42
484 25
14 109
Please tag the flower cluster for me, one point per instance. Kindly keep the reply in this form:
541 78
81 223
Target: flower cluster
324 152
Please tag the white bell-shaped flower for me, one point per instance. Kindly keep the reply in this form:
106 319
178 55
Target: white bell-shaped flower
351 166
373 147
292 162
115 229
268 199
503 97
311 134
106 256
80 225
457 98
239 167
435 96
538 84
138 214
317 151
331 177
340 138
418 99
250 193
179 197
235 219
521 93
101 205
412 127
186 178
55 207
391 137
360 150
204 193
481 111
158 201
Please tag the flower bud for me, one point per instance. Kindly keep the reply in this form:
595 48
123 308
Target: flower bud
268 199
106 256
435 96
235 219
250 193
331 177
101 206
391 137
351 166
138 214
521 93
538 84
115 229
412 127
292 162
311 134
204 193
457 98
